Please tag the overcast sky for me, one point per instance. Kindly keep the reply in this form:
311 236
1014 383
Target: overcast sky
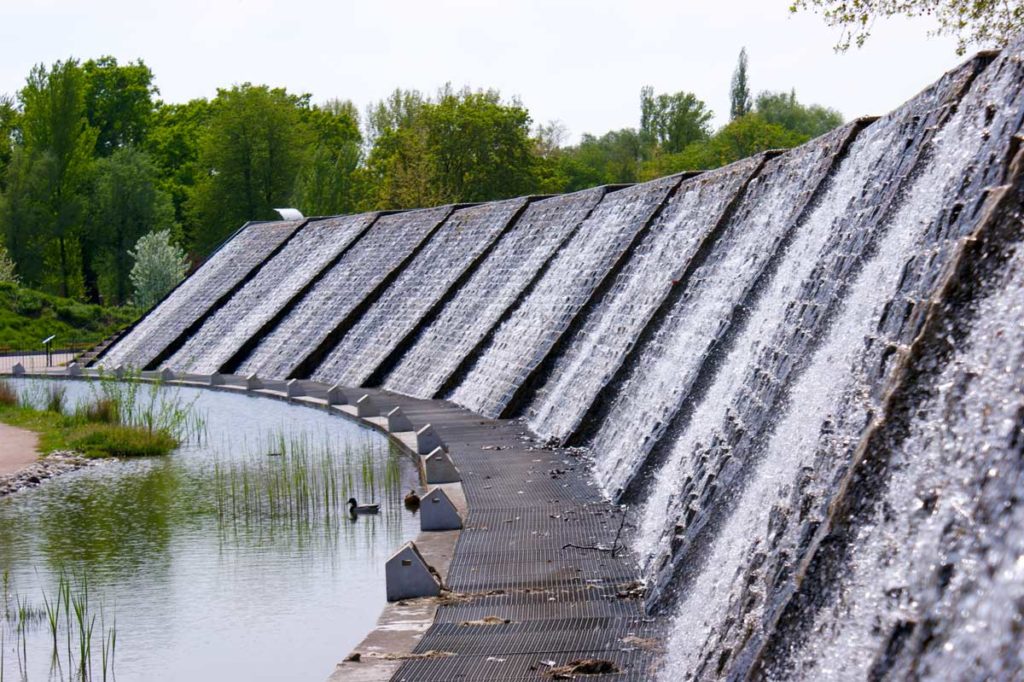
582 63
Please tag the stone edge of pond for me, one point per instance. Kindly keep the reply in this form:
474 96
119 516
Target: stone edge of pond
44 469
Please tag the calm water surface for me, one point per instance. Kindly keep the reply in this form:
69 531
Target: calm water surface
213 562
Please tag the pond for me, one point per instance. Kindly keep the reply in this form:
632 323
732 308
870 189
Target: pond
231 558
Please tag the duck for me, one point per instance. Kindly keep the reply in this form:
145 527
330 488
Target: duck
412 500
356 508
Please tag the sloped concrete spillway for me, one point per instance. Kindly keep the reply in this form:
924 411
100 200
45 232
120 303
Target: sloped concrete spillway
803 374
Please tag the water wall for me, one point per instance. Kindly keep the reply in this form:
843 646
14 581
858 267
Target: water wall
273 287
577 271
508 270
801 374
202 292
451 253
660 263
309 323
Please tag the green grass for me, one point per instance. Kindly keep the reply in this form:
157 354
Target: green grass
28 316
96 429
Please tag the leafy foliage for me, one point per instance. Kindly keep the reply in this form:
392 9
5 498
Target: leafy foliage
739 90
27 317
971 22
159 266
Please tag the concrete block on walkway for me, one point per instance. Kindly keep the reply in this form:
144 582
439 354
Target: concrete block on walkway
18 370
74 370
427 440
253 383
408 576
293 389
216 380
120 371
336 396
166 374
437 512
439 468
365 407
398 422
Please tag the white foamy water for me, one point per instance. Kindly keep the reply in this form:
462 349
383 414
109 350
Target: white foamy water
613 324
526 337
829 392
277 282
197 294
494 286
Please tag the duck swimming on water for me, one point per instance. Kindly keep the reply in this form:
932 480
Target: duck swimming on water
356 508
412 500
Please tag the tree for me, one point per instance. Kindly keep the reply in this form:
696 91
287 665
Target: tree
8 128
159 266
58 144
330 181
126 204
173 145
249 156
8 273
783 109
463 146
118 102
671 122
982 22
739 90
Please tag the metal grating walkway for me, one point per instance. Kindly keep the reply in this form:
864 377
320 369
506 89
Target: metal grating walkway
511 562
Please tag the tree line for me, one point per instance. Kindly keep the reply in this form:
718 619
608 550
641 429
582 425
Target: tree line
92 161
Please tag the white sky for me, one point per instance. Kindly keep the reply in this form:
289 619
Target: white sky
581 62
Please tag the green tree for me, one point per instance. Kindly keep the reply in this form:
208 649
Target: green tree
58 144
981 22
670 122
330 181
8 128
8 273
118 102
739 89
784 110
127 203
249 156
173 145
159 266
463 146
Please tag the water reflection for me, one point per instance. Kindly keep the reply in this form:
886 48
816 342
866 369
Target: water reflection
232 558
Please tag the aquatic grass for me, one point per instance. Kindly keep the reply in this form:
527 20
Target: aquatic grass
56 398
71 620
113 440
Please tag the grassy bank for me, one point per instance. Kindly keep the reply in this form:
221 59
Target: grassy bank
28 316
118 420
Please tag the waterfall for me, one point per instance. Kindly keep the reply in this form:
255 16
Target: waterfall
305 325
450 253
495 286
522 342
779 466
613 323
802 281
194 297
273 287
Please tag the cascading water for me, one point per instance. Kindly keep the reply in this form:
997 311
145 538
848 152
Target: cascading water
525 338
278 281
931 581
780 473
337 293
613 324
187 304
495 286
464 237
669 362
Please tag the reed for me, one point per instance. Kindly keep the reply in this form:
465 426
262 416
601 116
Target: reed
8 394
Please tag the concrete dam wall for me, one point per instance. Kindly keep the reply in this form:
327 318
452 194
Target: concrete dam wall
803 372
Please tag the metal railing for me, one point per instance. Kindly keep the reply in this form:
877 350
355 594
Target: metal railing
50 352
